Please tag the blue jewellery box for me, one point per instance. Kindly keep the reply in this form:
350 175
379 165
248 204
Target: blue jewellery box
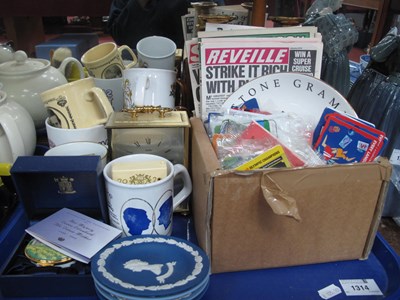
44 185
78 43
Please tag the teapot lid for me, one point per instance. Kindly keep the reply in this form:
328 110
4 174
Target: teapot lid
22 65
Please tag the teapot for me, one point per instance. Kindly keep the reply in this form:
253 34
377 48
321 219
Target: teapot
17 131
24 79
6 52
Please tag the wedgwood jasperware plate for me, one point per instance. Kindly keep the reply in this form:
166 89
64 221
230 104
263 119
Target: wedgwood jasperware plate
150 266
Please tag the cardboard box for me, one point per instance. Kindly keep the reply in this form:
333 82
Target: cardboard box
78 43
45 184
322 214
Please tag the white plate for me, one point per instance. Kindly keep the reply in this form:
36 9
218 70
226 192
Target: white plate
304 95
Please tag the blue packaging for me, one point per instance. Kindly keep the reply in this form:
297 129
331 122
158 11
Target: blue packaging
78 43
45 184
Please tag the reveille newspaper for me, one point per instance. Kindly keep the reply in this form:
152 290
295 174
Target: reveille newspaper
227 63
193 59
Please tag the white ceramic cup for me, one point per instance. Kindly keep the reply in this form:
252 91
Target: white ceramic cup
80 149
149 87
145 208
113 90
106 60
57 136
78 104
156 52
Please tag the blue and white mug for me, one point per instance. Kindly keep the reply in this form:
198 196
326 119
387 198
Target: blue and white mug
139 207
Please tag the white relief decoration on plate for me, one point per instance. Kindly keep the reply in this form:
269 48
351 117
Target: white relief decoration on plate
137 265
101 265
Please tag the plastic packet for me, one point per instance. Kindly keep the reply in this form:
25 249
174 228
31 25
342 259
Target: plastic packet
235 121
232 153
296 134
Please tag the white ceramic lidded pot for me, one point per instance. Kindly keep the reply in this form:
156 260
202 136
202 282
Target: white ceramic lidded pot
17 131
25 78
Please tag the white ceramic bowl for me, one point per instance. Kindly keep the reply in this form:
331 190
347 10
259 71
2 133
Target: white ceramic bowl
80 149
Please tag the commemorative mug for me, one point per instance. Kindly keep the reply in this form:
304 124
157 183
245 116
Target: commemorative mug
149 87
156 52
80 149
113 89
57 136
78 104
141 206
106 60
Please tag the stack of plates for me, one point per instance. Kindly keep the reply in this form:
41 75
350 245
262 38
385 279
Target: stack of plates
150 267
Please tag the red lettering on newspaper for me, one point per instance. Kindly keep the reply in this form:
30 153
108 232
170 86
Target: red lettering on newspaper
219 56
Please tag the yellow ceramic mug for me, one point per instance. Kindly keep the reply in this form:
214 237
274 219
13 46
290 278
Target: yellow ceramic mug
78 104
105 60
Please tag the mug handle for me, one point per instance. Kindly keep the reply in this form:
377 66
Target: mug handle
105 104
72 60
13 135
187 185
134 58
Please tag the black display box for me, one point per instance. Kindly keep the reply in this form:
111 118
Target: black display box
45 184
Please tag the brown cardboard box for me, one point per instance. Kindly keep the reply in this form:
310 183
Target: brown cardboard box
322 214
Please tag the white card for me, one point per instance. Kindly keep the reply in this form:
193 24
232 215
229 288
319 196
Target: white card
73 234
329 291
360 287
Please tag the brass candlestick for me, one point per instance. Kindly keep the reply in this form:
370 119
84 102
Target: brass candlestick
201 8
217 19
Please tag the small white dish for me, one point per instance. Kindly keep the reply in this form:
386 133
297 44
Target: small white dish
80 149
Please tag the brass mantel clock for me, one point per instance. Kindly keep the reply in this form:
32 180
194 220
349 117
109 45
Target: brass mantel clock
152 131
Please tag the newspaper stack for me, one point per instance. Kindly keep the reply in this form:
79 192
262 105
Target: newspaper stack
225 57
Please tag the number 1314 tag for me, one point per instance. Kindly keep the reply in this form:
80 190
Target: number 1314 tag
360 287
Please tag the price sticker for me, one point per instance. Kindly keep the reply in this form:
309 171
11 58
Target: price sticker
360 287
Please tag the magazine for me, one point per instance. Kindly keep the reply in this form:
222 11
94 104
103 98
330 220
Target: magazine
193 59
188 26
221 27
228 63
224 30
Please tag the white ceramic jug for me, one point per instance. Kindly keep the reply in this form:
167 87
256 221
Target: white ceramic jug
17 130
25 78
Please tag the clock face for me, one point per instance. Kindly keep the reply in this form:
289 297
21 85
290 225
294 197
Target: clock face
165 142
